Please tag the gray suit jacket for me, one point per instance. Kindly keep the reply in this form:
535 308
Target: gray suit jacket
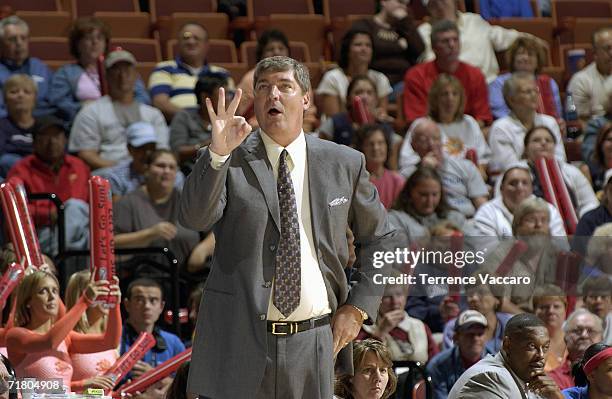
240 202
488 379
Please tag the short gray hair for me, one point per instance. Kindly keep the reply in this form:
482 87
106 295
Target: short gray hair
12 20
283 64
511 85
442 26
581 312
529 206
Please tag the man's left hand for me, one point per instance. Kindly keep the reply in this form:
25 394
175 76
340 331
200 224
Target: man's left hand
345 325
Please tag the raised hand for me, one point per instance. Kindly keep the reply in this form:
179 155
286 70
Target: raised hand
228 130
96 289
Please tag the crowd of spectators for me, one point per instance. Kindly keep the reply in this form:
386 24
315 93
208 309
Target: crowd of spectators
451 145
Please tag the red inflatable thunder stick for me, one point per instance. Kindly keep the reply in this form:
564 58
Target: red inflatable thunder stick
101 74
565 202
150 377
360 112
471 155
11 277
518 249
33 251
102 251
21 228
124 364
546 182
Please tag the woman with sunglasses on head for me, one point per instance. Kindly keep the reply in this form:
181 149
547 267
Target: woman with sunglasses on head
373 378
355 58
40 344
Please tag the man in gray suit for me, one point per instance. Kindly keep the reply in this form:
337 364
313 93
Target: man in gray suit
277 309
517 371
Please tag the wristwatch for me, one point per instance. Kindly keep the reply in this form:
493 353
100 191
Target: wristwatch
364 315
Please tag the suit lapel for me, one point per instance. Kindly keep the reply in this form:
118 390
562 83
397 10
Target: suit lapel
257 159
316 182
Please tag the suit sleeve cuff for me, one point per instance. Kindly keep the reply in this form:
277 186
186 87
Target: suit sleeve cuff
216 160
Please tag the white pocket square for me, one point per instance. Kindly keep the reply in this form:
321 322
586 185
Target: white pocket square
338 201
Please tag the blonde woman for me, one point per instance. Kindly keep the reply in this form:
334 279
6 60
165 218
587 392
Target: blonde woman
446 103
89 367
40 344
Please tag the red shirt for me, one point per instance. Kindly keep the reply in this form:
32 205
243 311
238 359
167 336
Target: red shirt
69 182
418 81
389 187
562 375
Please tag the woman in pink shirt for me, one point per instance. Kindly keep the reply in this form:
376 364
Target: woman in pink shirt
40 344
374 143
88 368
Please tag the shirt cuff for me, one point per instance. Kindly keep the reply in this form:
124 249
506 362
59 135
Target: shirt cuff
216 160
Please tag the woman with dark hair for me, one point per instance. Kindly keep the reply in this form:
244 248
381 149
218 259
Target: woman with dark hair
270 43
421 204
373 373
148 216
375 144
341 127
74 84
540 142
355 59
526 55
601 156
396 42
593 375
591 135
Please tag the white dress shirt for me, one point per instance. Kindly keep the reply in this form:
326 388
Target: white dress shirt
313 294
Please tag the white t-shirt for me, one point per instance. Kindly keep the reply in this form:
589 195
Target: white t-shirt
97 127
479 42
336 83
457 138
588 91
507 135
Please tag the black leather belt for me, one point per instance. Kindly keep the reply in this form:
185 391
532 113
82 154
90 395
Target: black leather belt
294 327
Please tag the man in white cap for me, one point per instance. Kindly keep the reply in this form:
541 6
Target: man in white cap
99 132
128 174
446 367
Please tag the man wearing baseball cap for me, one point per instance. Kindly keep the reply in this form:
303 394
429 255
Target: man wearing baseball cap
517 371
446 367
99 132
594 218
128 175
